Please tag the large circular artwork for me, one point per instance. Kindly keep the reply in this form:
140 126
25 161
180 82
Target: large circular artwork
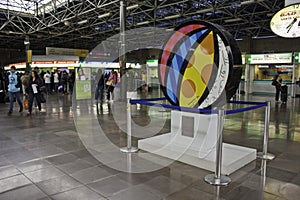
196 64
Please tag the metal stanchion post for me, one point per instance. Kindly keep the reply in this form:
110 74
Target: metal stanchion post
217 178
129 148
265 155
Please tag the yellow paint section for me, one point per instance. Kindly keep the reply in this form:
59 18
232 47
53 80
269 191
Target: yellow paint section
193 73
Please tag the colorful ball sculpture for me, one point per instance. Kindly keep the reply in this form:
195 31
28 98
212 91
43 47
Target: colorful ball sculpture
196 64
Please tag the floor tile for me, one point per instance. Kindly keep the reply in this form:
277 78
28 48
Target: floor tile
58 184
44 174
135 193
75 166
44 155
62 159
80 193
12 182
8 171
33 165
109 186
91 174
29 192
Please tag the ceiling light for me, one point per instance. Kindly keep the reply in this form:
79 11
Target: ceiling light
262 37
251 1
86 36
172 16
132 7
247 2
142 23
205 10
104 15
233 20
82 22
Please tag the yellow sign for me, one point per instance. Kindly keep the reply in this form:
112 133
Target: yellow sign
29 56
82 52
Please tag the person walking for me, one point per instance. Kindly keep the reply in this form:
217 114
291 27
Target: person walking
14 85
34 91
111 82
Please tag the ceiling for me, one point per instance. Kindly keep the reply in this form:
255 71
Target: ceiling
83 24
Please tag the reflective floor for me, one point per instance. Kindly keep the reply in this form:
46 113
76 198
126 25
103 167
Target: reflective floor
58 154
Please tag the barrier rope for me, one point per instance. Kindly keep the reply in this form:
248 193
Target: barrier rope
149 102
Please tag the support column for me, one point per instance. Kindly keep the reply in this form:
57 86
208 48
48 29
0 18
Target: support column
27 52
122 49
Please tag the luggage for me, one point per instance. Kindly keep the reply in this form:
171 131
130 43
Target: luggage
284 93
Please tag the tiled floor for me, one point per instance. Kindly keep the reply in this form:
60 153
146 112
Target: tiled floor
45 156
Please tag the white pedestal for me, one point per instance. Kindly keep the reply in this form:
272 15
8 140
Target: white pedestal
193 140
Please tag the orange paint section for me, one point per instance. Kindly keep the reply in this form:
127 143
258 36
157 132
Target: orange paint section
197 75
170 45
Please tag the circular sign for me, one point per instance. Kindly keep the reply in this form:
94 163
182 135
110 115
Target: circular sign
196 63
286 22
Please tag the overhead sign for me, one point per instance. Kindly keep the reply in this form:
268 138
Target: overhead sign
290 2
66 51
152 63
286 22
296 57
269 58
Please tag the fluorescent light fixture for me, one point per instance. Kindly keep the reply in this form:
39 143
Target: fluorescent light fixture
142 23
247 2
132 7
170 29
172 16
233 20
251 1
205 10
82 22
262 37
104 15
86 36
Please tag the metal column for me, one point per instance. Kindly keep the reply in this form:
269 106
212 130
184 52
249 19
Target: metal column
217 178
265 155
122 48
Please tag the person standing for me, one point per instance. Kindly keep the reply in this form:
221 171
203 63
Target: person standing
47 78
64 82
34 91
56 81
277 80
99 90
14 85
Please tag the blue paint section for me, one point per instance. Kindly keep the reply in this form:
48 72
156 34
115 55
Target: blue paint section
171 84
177 62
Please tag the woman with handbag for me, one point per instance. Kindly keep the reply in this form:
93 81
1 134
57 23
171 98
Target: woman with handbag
110 83
33 91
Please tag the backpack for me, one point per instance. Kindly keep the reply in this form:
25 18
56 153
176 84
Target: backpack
19 84
274 81
25 80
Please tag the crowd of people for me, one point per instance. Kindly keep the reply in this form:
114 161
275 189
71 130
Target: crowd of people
33 85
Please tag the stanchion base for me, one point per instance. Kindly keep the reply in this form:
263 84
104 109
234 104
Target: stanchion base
222 181
129 150
268 156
